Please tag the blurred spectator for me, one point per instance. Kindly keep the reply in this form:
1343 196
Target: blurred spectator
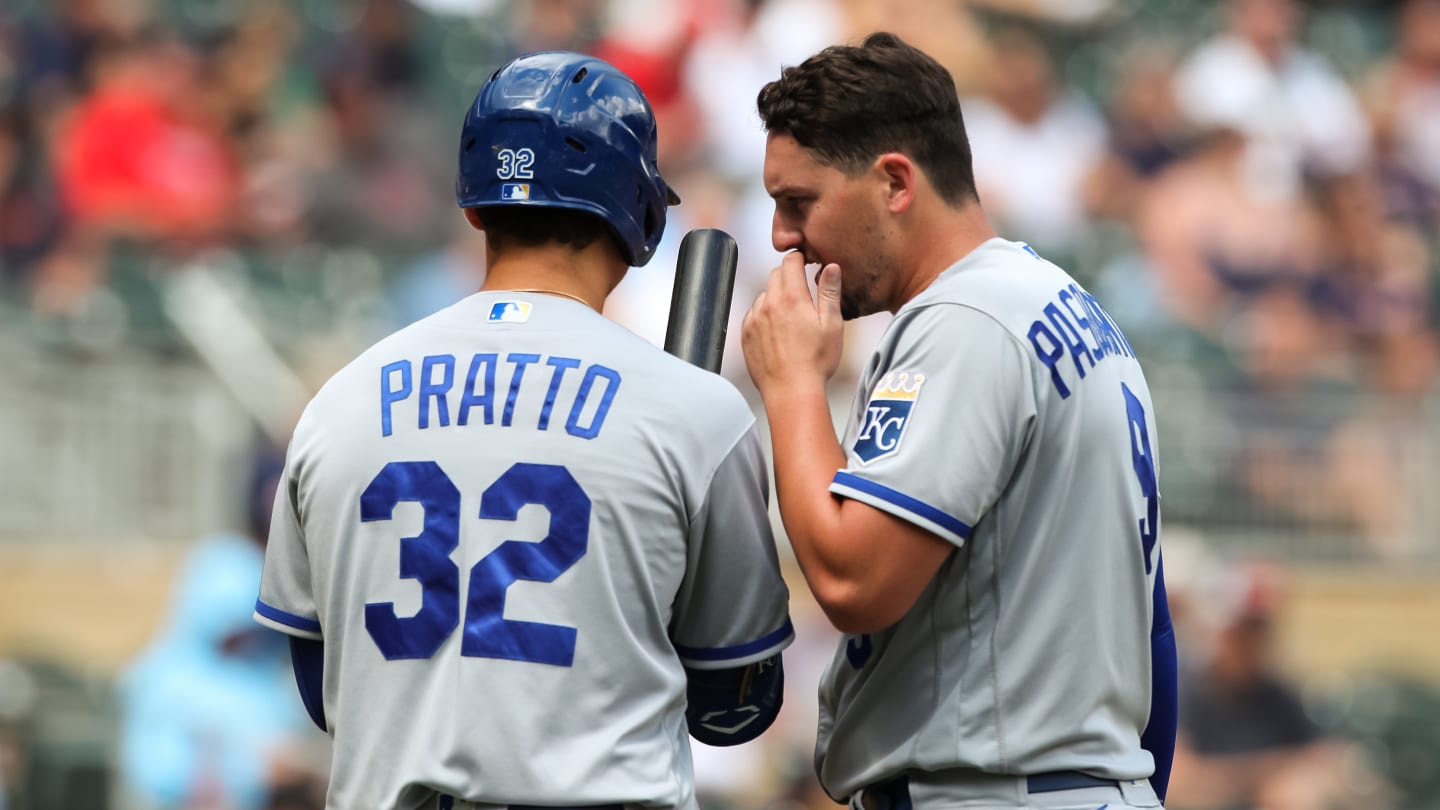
950 30
650 41
1312 351
65 280
30 218
15 715
381 183
248 62
1403 94
56 49
1146 136
1146 130
381 48
1297 114
1217 237
732 58
440 278
1287 402
209 714
258 88
1292 301
1307 289
1376 291
1261 221
141 154
1245 738
641 301
1069 12
551 25
1376 286
1035 144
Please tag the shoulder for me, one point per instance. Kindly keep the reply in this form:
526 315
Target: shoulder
706 395
943 321
691 418
417 339
672 395
1002 283
360 375
364 364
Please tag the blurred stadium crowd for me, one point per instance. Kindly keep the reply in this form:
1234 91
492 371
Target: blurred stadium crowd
208 206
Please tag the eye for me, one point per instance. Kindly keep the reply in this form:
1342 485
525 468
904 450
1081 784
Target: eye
794 205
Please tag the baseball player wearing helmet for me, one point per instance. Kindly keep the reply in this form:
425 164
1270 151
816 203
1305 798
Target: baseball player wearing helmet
521 552
986 534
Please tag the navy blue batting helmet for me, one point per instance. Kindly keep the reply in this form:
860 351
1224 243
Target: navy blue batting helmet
557 129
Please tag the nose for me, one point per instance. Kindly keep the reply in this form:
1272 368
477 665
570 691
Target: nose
783 236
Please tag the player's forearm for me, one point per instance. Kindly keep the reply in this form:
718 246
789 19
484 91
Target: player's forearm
806 456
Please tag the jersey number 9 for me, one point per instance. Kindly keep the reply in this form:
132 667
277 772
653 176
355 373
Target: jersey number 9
426 557
1143 460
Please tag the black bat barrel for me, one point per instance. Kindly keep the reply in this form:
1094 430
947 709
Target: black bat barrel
700 303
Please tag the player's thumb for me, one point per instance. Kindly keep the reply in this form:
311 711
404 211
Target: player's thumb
828 295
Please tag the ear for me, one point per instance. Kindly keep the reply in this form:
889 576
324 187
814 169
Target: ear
472 215
901 177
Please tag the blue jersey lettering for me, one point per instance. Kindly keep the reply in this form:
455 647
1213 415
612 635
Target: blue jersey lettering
602 407
432 393
484 396
1049 356
390 394
1062 328
430 389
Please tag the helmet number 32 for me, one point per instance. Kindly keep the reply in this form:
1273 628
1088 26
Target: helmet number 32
515 164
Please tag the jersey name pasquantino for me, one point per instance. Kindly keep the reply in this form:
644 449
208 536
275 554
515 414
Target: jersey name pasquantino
1061 329
886 415
432 397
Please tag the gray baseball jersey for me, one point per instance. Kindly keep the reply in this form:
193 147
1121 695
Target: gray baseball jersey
511 523
1004 412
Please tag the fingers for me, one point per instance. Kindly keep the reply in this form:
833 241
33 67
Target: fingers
787 334
789 278
750 314
827 299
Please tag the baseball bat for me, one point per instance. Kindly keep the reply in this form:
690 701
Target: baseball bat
700 302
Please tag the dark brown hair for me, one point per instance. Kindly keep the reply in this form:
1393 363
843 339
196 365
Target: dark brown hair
534 226
847 105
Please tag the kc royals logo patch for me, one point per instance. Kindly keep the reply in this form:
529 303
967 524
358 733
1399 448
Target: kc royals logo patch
886 415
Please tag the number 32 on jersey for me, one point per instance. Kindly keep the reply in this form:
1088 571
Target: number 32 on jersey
426 558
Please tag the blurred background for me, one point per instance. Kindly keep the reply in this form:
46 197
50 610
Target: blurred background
208 206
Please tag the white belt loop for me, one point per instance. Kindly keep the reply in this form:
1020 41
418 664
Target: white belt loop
1139 793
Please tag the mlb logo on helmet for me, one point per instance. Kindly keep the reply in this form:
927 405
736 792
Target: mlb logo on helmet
509 312
886 415
514 191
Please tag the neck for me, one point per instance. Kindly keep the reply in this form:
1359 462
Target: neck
587 275
938 241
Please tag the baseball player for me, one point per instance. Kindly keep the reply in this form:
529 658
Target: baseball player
986 534
521 551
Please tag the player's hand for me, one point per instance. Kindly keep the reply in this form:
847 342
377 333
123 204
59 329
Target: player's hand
788 336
